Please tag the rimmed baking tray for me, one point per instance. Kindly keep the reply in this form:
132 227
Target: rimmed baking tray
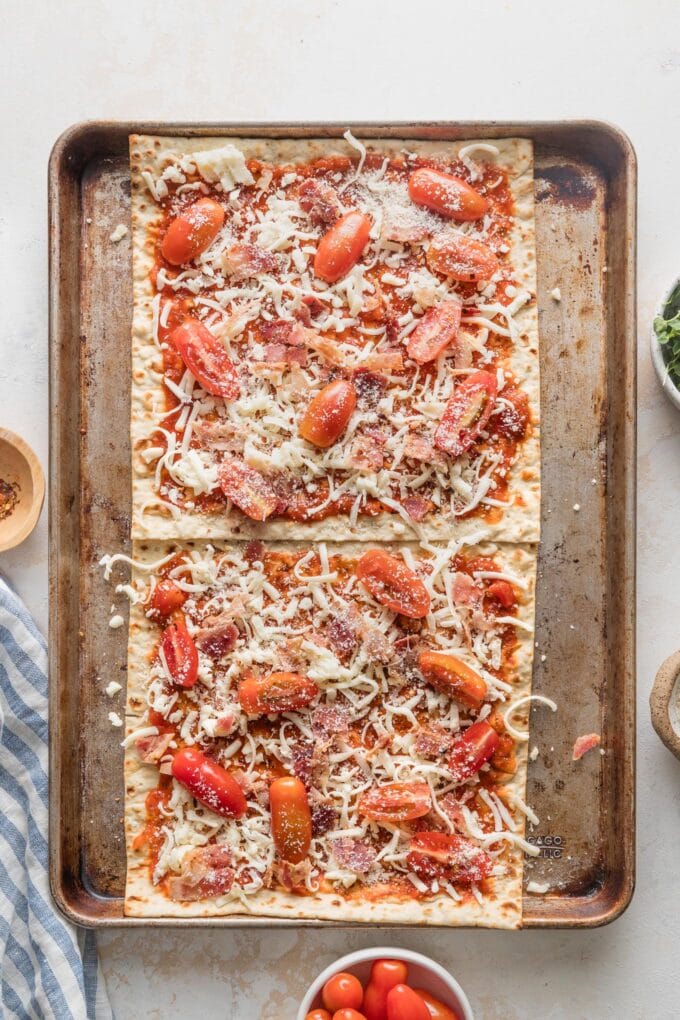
585 223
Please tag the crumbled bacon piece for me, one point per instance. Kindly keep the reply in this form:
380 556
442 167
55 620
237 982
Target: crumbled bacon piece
225 725
253 552
433 741
464 591
329 720
352 854
384 361
370 386
284 354
402 230
417 507
366 454
244 260
309 307
320 201
250 490
206 872
217 435
217 636
324 817
152 748
301 758
377 646
584 744
292 876
419 448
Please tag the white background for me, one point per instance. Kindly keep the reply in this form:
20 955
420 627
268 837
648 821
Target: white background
617 60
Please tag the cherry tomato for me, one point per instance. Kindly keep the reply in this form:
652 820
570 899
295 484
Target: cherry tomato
348 1014
452 676
279 692
291 819
249 490
209 783
471 750
446 194
166 598
503 592
436 331
438 1011
441 855
342 991
405 1004
180 653
396 802
342 247
328 413
462 258
318 1014
385 974
393 584
206 358
466 413
192 231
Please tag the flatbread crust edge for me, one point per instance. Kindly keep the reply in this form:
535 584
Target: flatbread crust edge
151 518
501 909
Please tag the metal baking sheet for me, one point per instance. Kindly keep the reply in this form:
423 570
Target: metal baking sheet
585 222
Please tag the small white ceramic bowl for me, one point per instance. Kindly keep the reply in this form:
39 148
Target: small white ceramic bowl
423 973
667 384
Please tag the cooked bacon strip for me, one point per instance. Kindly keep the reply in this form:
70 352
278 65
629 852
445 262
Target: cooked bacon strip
417 507
384 361
152 748
327 721
320 201
217 636
251 491
206 872
584 744
244 260
433 741
352 854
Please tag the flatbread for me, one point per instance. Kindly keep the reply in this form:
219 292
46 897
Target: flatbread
154 517
500 906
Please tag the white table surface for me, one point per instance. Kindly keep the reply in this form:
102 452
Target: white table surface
616 60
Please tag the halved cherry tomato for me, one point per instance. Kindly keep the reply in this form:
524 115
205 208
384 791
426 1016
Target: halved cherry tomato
209 783
441 855
192 231
466 413
503 592
328 413
450 675
461 258
318 1014
385 974
251 491
446 194
291 819
166 598
205 357
393 584
342 247
405 1004
180 653
342 991
348 1014
436 331
278 692
438 1011
396 802
471 750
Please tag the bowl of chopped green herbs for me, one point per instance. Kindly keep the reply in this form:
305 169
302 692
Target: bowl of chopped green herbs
666 344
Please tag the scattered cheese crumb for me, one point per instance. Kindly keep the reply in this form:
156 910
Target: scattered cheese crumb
113 688
118 233
577 507
538 887
543 658
556 294
115 719
116 621
533 754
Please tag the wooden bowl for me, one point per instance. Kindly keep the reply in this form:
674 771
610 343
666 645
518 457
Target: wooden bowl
664 703
22 486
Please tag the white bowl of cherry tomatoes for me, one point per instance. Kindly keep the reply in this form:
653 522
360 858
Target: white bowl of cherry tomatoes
385 984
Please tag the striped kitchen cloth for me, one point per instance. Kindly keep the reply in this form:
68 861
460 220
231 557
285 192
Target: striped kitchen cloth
49 968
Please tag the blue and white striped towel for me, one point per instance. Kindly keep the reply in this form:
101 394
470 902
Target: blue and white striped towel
49 969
